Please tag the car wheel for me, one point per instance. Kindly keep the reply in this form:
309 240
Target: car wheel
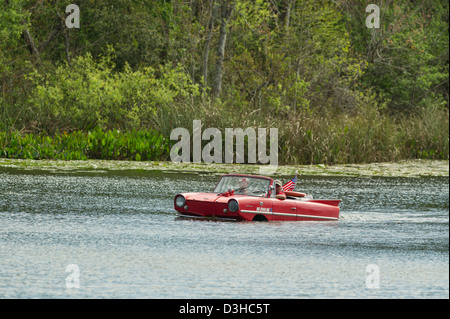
259 218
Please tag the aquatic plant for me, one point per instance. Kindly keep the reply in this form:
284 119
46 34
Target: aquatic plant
78 145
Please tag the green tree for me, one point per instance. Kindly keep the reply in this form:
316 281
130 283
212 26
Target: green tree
408 54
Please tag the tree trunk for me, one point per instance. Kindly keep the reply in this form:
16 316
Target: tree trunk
226 10
30 42
290 4
66 36
213 9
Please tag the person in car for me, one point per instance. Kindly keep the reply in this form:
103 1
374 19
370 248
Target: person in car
279 191
243 185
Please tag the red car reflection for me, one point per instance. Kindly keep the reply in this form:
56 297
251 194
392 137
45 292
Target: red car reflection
252 198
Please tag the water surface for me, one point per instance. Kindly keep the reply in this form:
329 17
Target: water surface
121 231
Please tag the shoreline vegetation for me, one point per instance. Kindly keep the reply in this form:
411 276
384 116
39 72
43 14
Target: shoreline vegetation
411 169
368 137
338 91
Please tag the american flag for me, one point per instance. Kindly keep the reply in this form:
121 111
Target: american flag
289 186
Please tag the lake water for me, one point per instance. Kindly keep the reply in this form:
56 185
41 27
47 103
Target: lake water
115 234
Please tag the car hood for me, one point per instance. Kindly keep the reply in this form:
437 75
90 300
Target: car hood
209 197
203 197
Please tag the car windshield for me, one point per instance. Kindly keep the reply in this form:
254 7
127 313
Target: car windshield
244 185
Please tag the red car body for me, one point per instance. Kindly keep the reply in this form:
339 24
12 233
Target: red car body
250 207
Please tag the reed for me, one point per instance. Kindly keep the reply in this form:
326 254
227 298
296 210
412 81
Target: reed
366 137
369 134
310 137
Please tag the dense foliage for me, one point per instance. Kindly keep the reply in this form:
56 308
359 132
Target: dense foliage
113 145
337 90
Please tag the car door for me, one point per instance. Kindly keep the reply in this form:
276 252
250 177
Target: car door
256 206
284 209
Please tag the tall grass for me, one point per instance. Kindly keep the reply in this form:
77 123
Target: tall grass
366 135
309 137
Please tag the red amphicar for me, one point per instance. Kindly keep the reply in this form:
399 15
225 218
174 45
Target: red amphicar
253 198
